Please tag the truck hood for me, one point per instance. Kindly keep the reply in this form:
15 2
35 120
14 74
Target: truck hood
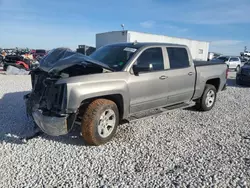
59 59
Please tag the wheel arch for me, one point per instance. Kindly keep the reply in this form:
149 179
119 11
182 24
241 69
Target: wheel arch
116 98
215 82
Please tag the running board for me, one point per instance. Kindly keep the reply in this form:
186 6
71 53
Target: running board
158 111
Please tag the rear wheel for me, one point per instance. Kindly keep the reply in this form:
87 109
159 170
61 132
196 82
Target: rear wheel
208 98
100 122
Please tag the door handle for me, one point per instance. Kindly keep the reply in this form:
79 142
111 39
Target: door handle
163 77
190 73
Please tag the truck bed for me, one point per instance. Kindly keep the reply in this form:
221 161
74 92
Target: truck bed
209 70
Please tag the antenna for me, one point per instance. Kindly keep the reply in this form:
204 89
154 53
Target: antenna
122 25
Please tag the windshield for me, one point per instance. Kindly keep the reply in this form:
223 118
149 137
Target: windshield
114 56
223 58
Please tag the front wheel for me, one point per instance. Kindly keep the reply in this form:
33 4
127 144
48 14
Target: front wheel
100 122
208 98
237 68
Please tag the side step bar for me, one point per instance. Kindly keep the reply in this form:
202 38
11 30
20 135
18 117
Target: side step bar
158 111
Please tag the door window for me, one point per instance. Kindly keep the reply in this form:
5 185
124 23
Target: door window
152 59
178 57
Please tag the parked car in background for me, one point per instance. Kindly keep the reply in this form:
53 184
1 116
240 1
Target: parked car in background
243 76
20 58
243 60
123 81
213 55
38 52
246 53
233 62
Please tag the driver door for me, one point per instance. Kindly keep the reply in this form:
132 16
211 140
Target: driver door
148 88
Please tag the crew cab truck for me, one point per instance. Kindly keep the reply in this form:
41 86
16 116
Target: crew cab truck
117 83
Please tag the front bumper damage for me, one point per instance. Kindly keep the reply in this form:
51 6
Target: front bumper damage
51 123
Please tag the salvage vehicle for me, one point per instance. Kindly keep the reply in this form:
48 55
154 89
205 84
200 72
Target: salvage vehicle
118 83
20 59
11 60
243 76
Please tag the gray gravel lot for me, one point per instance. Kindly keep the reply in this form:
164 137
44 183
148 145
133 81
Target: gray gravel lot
183 148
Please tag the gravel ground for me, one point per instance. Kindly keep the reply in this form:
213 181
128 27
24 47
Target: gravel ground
183 148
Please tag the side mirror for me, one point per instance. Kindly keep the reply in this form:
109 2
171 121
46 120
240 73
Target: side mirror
141 68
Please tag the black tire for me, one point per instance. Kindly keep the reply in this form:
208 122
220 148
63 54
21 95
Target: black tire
237 68
5 67
201 103
90 127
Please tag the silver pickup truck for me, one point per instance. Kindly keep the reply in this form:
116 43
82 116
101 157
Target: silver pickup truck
118 83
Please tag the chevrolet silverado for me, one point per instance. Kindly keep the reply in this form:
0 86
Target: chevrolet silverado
118 82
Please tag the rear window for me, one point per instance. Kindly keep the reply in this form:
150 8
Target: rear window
178 57
234 59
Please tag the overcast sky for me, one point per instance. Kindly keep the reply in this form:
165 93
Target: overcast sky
55 23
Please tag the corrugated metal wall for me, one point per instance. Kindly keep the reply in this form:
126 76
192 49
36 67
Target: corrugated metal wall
199 49
110 38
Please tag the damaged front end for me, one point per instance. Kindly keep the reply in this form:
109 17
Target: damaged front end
47 102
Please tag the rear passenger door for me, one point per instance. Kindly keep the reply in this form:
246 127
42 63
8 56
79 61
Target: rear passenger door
181 75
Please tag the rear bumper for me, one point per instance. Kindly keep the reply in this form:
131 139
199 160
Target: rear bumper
54 126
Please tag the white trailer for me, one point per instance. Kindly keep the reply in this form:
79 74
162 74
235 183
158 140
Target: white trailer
199 49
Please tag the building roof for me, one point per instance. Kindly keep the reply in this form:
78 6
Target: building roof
127 31
144 44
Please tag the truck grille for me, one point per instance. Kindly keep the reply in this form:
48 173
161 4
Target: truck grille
52 97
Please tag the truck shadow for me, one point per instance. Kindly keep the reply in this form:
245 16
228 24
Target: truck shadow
14 123
231 82
15 126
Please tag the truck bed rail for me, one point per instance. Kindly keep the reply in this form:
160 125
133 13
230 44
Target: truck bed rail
206 63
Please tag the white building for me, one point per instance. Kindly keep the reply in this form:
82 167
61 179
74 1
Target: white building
199 49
